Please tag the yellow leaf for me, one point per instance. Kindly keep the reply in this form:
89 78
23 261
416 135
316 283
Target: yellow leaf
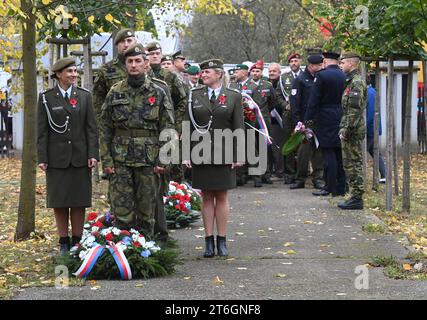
239 233
139 285
91 19
290 252
407 267
46 2
109 17
217 281
281 275
288 244
75 20
187 278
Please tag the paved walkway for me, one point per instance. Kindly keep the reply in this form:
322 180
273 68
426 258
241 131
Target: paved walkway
328 244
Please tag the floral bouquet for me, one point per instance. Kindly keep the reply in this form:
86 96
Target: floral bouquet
182 205
300 135
249 115
107 252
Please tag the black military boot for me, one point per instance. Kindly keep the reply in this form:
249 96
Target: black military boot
221 244
297 185
257 182
318 184
288 180
64 243
75 240
354 203
210 247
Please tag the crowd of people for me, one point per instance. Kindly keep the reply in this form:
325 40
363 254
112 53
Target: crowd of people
142 92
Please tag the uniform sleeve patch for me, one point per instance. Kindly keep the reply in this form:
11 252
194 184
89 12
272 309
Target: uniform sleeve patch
293 92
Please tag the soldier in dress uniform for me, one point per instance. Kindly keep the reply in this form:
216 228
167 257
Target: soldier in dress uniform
135 111
324 113
215 107
114 70
352 129
67 148
265 96
307 151
294 61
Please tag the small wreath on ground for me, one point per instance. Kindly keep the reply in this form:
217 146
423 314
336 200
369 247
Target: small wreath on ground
107 252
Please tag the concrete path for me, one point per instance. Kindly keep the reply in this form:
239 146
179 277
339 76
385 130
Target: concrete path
328 245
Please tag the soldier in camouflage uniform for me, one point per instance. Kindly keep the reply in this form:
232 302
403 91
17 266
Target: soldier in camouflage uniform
352 129
285 83
135 111
114 70
265 96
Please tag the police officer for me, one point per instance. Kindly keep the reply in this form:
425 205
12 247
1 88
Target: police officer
136 110
352 129
325 111
294 61
301 88
265 96
114 70
67 148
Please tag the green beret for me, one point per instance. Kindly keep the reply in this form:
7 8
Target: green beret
347 55
152 46
63 63
167 57
241 66
178 55
193 70
123 34
135 50
212 64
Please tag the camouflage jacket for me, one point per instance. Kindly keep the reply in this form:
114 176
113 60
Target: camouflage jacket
131 121
353 106
108 75
178 91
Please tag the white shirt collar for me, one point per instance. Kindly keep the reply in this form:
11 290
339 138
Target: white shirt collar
244 82
70 89
217 92
296 74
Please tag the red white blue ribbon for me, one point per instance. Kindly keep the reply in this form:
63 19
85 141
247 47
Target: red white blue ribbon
89 261
260 119
121 261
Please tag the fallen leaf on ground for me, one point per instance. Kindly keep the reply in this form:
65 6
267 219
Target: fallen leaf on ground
217 281
288 244
239 233
407 267
281 275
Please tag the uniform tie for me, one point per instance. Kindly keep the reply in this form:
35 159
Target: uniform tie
66 97
213 98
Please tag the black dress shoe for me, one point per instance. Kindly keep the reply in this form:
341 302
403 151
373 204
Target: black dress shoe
267 181
297 185
221 244
257 184
321 193
354 203
75 240
210 247
288 180
318 185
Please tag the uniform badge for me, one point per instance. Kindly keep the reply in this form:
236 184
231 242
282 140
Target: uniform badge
137 49
287 81
129 33
293 92
210 64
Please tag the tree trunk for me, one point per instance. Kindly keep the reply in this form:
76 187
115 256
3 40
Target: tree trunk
406 199
27 197
389 154
423 118
375 179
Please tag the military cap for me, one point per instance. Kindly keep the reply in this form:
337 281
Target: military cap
231 72
294 56
315 59
258 65
331 55
123 34
347 55
153 46
167 57
135 50
63 63
212 64
241 66
178 55
192 70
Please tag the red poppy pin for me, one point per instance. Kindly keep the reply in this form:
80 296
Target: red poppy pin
347 91
222 99
73 102
263 94
151 100
244 88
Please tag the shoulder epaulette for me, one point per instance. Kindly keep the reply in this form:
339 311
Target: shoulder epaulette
117 84
159 81
198 88
46 91
84 89
232 89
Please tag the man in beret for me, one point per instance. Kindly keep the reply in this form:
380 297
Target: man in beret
352 129
167 63
323 114
294 61
114 70
136 110
193 76
307 151
265 96
179 63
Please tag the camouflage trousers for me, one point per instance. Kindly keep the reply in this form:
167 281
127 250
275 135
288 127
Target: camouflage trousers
133 193
353 166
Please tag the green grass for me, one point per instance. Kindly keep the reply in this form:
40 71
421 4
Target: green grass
373 228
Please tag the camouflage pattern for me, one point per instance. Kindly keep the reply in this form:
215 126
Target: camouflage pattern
107 75
130 123
352 128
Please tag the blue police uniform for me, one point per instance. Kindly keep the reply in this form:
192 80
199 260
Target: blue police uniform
324 108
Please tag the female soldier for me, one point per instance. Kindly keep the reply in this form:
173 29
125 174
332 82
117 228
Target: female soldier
67 144
210 107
